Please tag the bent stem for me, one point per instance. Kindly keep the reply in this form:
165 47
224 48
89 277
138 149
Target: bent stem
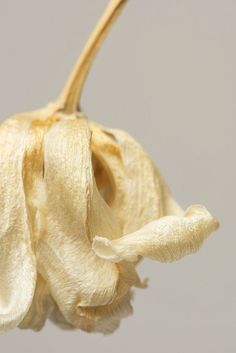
70 96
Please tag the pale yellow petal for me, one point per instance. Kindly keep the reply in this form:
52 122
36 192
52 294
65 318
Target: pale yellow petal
106 319
170 206
17 261
41 307
167 239
135 176
58 319
139 193
42 303
75 275
143 188
109 172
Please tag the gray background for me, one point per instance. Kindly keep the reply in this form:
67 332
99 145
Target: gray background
167 75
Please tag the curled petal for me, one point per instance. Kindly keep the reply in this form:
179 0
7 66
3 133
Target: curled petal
106 319
146 196
167 239
109 172
75 275
143 191
17 261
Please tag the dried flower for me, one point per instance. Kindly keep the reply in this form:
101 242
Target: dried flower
80 205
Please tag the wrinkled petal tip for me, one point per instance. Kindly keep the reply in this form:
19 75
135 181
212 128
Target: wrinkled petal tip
166 239
202 212
105 249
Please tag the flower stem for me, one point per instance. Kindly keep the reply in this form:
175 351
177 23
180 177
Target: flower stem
70 97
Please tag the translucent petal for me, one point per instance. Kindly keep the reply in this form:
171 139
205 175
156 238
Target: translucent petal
167 239
17 261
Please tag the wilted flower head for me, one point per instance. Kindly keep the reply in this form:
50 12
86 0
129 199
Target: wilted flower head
80 206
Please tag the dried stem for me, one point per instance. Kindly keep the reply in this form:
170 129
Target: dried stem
70 96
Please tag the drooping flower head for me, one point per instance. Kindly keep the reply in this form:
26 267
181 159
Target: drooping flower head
80 205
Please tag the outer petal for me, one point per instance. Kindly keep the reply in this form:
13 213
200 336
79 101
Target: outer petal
106 319
40 308
58 319
42 303
75 275
167 239
17 262
145 196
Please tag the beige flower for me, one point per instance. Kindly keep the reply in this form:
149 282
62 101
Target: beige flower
80 205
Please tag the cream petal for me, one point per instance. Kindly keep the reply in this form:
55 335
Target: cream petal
17 261
58 319
140 194
41 307
167 239
107 153
106 319
75 275
34 189
143 189
145 183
